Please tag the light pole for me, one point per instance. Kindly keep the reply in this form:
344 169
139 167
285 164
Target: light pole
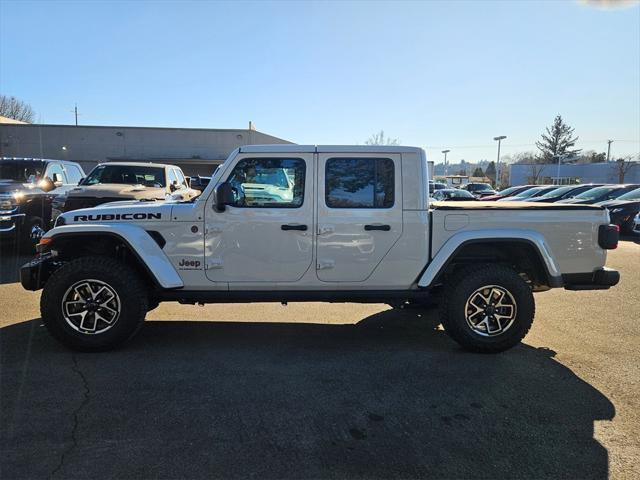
445 161
499 140
609 142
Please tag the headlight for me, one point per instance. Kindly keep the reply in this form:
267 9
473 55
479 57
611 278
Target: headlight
7 203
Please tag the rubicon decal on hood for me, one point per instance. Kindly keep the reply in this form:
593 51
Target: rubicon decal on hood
117 216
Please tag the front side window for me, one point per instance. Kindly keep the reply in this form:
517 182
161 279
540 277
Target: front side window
268 182
359 183
55 173
74 175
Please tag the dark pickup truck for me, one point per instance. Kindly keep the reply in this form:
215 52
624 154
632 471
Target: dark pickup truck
27 186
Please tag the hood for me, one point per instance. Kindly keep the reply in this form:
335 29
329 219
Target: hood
11 186
125 191
576 201
126 211
618 203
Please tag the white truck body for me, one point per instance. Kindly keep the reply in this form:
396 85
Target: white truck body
200 251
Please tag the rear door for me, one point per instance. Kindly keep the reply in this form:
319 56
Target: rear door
359 213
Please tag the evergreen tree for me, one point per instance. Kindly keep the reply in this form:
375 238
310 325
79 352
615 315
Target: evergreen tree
478 172
557 141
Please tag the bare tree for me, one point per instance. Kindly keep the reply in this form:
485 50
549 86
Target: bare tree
535 172
380 139
16 109
623 165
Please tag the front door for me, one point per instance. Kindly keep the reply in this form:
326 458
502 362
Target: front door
359 213
267 234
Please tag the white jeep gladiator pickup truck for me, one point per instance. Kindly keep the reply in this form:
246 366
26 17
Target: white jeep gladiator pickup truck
283 223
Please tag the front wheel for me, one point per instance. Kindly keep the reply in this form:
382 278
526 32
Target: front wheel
487 308
93 303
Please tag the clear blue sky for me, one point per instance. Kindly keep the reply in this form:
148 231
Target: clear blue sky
434 74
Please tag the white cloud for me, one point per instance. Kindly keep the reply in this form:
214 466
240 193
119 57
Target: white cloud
609 4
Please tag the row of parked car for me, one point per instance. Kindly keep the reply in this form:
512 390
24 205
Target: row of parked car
622 200
33 192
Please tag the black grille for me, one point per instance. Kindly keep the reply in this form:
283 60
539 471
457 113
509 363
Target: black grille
75 203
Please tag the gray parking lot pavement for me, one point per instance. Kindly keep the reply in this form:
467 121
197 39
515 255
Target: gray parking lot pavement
326 391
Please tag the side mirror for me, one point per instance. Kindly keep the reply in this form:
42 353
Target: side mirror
57 179
224 196
46 184
81 180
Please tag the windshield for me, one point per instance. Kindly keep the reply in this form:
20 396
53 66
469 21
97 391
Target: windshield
479 186
457 194
508 191
557 192
529 193
632 195
595 193
20 171
127 174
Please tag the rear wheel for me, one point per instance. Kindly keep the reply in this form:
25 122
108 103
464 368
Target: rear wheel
93 303
487 308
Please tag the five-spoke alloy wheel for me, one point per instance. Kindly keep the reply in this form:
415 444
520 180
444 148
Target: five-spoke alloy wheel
491 310
91 306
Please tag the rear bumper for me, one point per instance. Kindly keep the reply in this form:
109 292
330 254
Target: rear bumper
600 279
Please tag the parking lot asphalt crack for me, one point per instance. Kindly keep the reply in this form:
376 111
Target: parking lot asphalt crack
74 440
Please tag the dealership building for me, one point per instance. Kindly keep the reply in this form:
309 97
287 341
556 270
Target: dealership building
569 173
197 150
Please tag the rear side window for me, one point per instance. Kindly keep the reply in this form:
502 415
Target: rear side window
359 183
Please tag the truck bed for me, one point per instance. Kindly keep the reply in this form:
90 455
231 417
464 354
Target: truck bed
480 205
570 231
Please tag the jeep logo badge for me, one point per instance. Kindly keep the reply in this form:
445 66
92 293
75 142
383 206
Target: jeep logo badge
189 264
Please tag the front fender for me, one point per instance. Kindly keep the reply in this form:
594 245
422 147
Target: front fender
139 241
457 241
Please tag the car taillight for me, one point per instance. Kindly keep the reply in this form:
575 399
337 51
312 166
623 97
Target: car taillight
608 236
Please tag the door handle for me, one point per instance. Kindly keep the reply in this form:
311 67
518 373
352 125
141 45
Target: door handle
294 227
384 228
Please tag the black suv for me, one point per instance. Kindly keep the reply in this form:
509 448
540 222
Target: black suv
27 186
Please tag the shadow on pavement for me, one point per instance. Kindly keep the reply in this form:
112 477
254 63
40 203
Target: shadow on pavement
389 397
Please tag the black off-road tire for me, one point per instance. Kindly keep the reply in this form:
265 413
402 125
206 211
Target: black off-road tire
460 287
124 281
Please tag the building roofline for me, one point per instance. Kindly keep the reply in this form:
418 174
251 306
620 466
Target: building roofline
54 125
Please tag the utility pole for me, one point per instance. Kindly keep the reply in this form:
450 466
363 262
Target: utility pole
498 139
609 142
446 171
75 112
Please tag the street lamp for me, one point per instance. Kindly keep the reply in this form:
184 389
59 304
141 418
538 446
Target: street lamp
445 161
498 139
